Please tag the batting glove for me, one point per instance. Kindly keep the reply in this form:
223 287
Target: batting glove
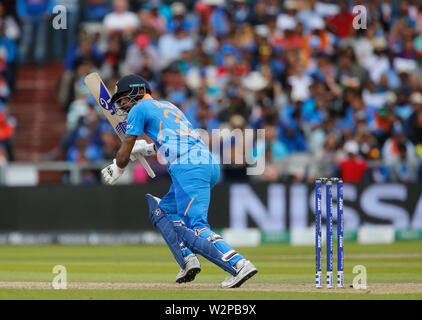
142 148
112 173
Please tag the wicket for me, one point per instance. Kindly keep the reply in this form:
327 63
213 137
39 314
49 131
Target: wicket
328 182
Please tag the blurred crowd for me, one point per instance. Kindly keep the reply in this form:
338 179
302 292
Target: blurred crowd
338 91
9 36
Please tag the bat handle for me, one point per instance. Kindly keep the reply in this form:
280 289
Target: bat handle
145 164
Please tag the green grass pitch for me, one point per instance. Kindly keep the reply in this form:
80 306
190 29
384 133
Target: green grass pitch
148 272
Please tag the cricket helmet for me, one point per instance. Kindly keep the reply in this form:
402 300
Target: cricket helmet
130 85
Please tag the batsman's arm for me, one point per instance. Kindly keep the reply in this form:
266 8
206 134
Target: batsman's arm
123 155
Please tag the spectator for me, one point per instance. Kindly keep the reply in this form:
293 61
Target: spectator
78 107
86 50
179 19
11 28
121 20
8 57
141 53
342 23
7 131
114 57
96 10
416 102
405 166
352 168
391 152
259 14
300 83
273 150
71 84
4 89
326 159
291 132
327 8
201 112
368 144
310 17
287 20
378 63
414 129
241 11
171 46
403 109
84 149
233 149
152 20
34 16
350 72
111 142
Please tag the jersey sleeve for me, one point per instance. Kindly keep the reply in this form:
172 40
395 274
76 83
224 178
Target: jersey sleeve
135 122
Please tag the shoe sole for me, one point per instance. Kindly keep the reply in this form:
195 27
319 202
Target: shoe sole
244 279
190 275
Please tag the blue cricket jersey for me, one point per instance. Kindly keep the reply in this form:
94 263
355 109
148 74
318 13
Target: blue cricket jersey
189 196
168 127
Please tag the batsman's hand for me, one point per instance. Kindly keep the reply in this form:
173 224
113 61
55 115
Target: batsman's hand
112 173
142 148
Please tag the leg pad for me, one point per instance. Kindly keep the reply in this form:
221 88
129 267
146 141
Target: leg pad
167 229
204 247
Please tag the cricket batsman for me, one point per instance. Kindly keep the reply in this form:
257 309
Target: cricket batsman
181 215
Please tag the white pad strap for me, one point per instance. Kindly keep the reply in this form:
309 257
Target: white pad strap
229 255
214 238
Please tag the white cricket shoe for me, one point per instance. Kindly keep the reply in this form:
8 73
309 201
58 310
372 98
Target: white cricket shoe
245 270
192 268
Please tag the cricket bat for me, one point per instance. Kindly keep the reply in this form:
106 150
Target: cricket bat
99 91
